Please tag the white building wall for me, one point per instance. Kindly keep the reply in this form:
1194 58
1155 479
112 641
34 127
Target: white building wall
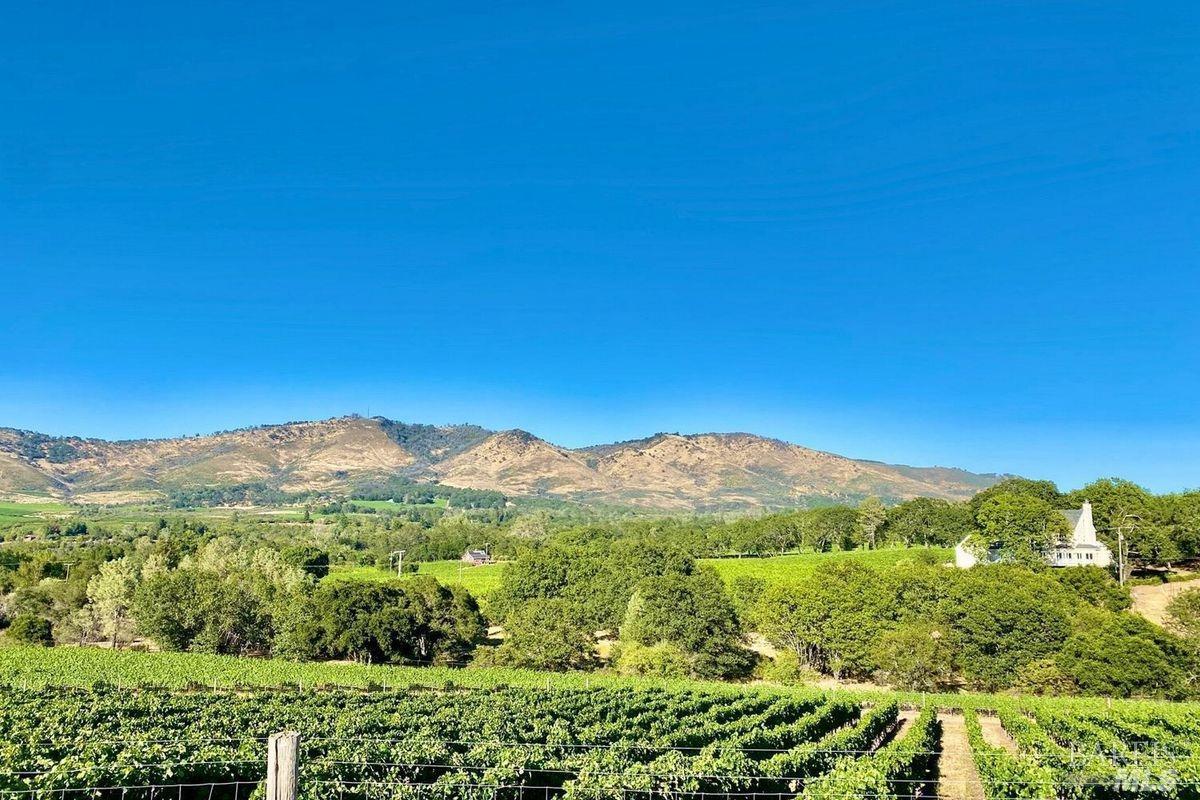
963 558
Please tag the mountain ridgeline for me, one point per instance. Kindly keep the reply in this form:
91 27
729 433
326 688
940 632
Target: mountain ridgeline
700 472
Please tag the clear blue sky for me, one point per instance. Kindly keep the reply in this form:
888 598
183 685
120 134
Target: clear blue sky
925 232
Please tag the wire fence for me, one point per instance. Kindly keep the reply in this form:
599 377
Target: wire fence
212 790
351 768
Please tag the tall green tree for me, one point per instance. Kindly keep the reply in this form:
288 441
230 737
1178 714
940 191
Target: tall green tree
927 521
417 620
313 560
1024 487
829 527
871 516
831 618
191 609
693 612
1115 502
1022 527
110 594
1002 618
546 635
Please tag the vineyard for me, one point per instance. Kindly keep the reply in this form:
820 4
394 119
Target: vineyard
583 744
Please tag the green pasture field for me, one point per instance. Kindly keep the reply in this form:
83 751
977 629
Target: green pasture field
481 581
18 513
780 569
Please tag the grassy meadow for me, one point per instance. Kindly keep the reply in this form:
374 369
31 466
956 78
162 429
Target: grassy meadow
777 569
482 580
12 513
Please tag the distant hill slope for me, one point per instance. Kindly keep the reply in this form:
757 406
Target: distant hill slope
708 471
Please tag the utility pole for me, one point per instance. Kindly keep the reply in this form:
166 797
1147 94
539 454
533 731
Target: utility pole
1120 556
399 556
1131 520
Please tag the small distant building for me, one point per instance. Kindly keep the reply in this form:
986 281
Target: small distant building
1082 549
476 557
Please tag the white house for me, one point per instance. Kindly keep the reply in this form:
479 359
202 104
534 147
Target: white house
1081 550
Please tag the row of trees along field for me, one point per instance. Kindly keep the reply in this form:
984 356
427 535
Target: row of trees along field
254 586
1020 515
397 490
1159 530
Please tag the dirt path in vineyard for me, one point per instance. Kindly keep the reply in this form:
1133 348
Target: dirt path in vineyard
957 778
994 733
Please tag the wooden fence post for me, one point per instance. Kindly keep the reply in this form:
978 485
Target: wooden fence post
283 764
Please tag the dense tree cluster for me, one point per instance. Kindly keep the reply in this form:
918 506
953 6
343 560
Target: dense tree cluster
691 615
419 621
414 493
239 494
1157 530
666 609
990 628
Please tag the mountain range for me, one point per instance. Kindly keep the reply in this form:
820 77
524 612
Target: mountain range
668 471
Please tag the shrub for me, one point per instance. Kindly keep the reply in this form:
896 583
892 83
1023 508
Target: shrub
1095 586
546 634
1126 656
916 656
787 668
662 660
31 629
1184 612
694 613
1001 618
1044 677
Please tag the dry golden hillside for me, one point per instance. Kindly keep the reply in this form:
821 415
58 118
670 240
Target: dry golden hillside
667 471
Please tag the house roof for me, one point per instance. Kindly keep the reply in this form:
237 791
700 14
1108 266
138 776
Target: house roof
1072 515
